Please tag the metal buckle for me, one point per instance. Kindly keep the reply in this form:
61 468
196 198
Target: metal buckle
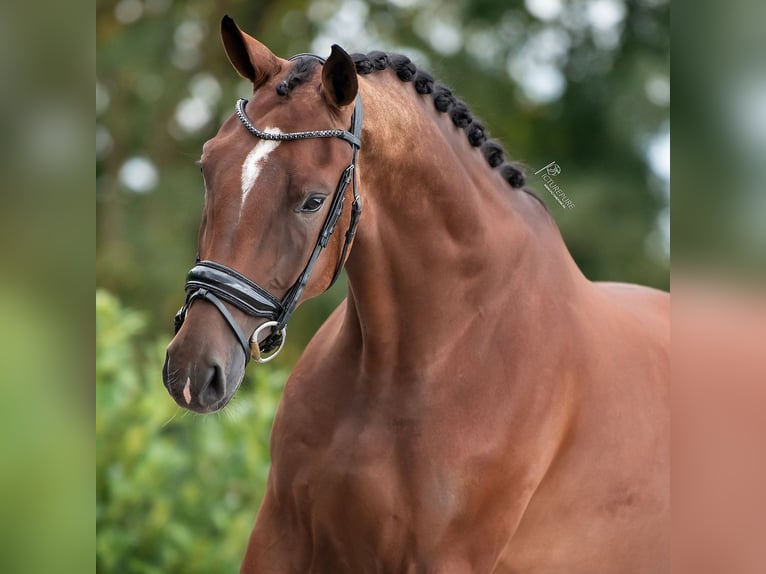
255 349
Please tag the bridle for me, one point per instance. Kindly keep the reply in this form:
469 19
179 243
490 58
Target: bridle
218 283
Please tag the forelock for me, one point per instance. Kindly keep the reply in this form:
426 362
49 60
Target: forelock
299 74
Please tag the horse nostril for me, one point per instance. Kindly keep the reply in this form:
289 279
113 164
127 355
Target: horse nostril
215 388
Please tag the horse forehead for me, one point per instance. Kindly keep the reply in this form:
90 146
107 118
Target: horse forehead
235 149
255 160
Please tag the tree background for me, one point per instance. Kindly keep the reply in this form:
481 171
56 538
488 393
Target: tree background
584 83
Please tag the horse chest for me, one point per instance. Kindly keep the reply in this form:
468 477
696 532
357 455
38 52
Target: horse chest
362 474
369 485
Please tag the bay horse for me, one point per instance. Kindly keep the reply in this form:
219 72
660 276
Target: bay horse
475 404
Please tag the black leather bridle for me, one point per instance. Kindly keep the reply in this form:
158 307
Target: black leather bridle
219 283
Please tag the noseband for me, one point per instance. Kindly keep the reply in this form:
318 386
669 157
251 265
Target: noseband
219 283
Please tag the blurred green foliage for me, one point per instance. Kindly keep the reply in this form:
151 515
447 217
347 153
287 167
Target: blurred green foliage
46 481
175 492
719 169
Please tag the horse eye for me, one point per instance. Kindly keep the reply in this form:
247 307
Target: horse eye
312 204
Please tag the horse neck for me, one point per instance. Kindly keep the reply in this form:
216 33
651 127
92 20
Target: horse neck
444 244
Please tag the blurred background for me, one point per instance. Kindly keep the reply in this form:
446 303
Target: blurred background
584 83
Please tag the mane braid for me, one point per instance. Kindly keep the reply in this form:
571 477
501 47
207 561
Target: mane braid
446 102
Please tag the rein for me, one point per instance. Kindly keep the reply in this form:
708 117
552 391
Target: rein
218 283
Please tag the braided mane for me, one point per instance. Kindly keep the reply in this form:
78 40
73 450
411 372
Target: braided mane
444 101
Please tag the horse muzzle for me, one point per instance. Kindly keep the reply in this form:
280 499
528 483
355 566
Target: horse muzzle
202 374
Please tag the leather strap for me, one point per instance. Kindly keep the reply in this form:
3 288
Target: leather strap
234 288
243 339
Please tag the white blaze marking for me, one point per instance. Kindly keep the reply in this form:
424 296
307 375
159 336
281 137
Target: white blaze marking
254 161
187 391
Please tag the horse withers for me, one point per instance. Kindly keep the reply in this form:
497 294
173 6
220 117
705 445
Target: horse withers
475 404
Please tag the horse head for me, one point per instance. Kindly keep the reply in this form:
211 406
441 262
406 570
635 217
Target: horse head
273 199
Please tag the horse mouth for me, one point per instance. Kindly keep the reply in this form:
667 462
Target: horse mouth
201 391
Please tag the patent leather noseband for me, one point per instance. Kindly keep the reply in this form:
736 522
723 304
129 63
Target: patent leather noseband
219 284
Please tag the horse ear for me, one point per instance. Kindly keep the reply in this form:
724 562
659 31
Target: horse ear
339 78
250 58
